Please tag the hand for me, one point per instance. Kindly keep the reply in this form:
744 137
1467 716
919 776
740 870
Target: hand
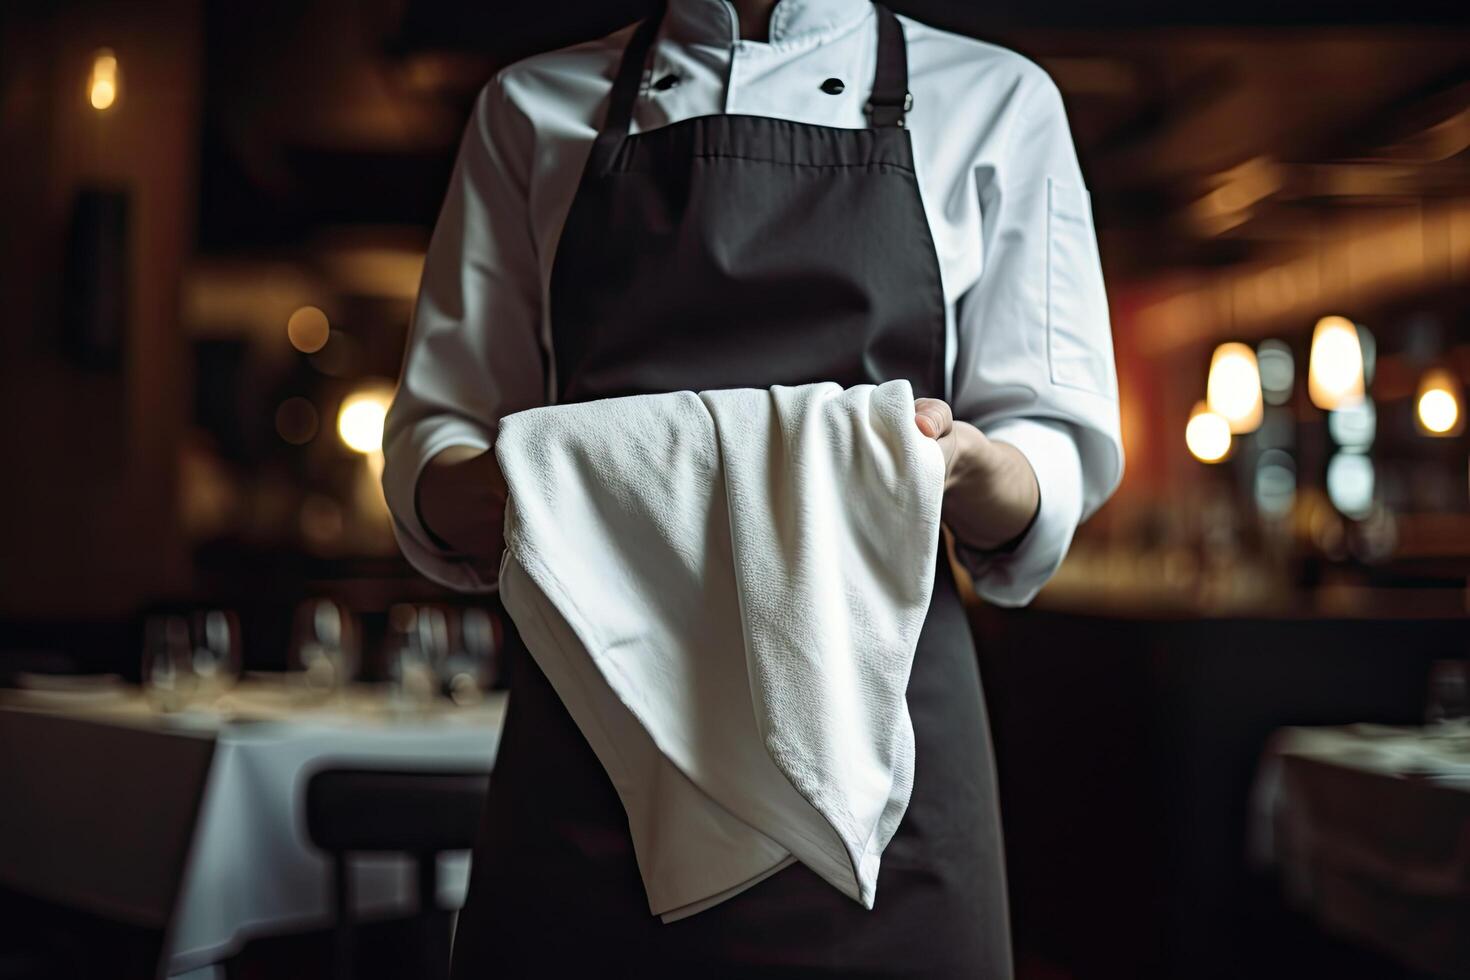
990 490
936 420
461 498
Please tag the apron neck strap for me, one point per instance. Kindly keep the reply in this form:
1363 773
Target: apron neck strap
886 106
890 98
630 76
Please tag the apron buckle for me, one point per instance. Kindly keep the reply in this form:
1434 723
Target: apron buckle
888 112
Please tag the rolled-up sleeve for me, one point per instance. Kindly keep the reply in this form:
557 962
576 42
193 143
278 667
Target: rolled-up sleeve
474 351
1034 363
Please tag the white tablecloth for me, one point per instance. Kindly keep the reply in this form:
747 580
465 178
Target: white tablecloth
250 869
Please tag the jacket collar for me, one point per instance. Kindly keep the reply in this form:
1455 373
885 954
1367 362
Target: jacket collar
716 22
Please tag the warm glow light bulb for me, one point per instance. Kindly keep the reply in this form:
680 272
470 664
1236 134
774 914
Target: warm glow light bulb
1437 406
104 93
1207 435
102 84
308 329
1234 387
1335 371
1438 411
360 420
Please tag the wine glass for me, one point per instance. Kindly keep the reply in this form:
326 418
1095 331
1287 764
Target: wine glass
216 654
470 671
417 647
169 679
323 646
1449 693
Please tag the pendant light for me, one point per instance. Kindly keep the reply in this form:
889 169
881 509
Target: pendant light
1234 387
361 417
104 82
1207 435
1335 363
1439 410
1335 368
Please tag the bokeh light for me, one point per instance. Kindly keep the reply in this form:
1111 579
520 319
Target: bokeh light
1437 407
1275 488
1234 387
103 84
360 420
297 421
308 329
1350 482
1335 369
1354 426
342 357
1207 435
1277 367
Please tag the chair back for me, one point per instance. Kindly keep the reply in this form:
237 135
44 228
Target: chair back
421 814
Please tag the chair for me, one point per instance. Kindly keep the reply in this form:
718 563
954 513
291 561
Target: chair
422 814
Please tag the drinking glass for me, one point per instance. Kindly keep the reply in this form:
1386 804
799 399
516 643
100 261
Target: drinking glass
1449 692
216 651
417 647
323 646
169 679
470 670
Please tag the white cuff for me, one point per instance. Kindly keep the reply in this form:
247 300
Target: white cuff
1013 578
404 459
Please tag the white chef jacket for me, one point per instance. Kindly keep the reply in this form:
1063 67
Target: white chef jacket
1028 348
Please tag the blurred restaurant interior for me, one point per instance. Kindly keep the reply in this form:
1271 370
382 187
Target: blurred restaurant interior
1231 732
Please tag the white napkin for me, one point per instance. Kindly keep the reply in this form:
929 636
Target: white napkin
726 589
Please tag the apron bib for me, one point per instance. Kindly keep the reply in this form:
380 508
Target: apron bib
744 251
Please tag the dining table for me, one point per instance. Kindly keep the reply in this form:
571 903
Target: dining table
190 821
1368 828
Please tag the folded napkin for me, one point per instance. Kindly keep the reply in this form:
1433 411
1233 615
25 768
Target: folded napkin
726 589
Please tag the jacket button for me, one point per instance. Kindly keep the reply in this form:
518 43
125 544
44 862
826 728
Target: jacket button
666 83
833 86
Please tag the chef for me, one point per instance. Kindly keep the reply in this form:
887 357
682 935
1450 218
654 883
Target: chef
748 194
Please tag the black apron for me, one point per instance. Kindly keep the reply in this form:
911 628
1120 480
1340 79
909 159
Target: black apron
744 251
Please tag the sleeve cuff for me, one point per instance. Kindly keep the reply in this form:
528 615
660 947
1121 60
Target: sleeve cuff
1013 576
403 462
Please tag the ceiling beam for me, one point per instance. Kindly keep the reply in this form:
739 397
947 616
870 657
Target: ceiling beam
1363 260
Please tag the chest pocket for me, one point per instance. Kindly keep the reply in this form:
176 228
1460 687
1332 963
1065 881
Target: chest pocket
1076 301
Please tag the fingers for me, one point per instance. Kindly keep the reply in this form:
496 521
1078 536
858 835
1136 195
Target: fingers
933 417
